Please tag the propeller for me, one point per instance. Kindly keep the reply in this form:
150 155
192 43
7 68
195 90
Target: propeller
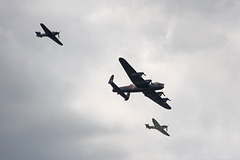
59 34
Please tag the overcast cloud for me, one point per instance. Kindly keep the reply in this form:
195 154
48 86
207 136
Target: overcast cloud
55 103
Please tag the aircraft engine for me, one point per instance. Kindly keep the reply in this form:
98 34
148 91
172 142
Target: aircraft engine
160 93
165 100
148 81
138 74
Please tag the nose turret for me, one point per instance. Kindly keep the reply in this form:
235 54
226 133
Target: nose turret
162 85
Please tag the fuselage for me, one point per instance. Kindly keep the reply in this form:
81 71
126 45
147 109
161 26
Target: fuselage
133 88
39 34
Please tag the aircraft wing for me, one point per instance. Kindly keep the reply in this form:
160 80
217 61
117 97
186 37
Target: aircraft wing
156 98
55 39
46 30
133 75
163 131
156 124
50 35
159 127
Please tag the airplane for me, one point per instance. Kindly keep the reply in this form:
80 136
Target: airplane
147 87
49 34
163 129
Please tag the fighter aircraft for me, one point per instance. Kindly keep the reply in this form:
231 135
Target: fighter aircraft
139 85
49 34
163 129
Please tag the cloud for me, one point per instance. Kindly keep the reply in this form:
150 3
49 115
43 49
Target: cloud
55 100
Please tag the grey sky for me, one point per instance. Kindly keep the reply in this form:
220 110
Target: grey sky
55 103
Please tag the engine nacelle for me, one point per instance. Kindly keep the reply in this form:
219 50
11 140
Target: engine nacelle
165 100
138 74
160 93
148 81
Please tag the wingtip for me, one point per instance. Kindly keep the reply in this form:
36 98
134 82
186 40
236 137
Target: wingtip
166 107
121 59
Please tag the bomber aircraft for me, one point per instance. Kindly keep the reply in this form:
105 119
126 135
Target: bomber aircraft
49 34
147 87
163 129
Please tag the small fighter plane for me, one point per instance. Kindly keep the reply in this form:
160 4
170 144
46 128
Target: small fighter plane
163 129
49 34
139 85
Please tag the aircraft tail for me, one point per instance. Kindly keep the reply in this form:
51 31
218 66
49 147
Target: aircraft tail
147 126
38 34
117 89
125 96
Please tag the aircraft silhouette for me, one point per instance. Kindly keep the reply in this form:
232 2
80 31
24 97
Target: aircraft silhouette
139 85
163 129
49 34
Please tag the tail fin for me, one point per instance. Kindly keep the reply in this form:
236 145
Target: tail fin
117 89
147 126
38 34
126 97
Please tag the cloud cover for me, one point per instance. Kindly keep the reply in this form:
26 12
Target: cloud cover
56 103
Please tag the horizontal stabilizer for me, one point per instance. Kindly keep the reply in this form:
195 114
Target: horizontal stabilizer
117 89
38 34
147 126
111 79
126 97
